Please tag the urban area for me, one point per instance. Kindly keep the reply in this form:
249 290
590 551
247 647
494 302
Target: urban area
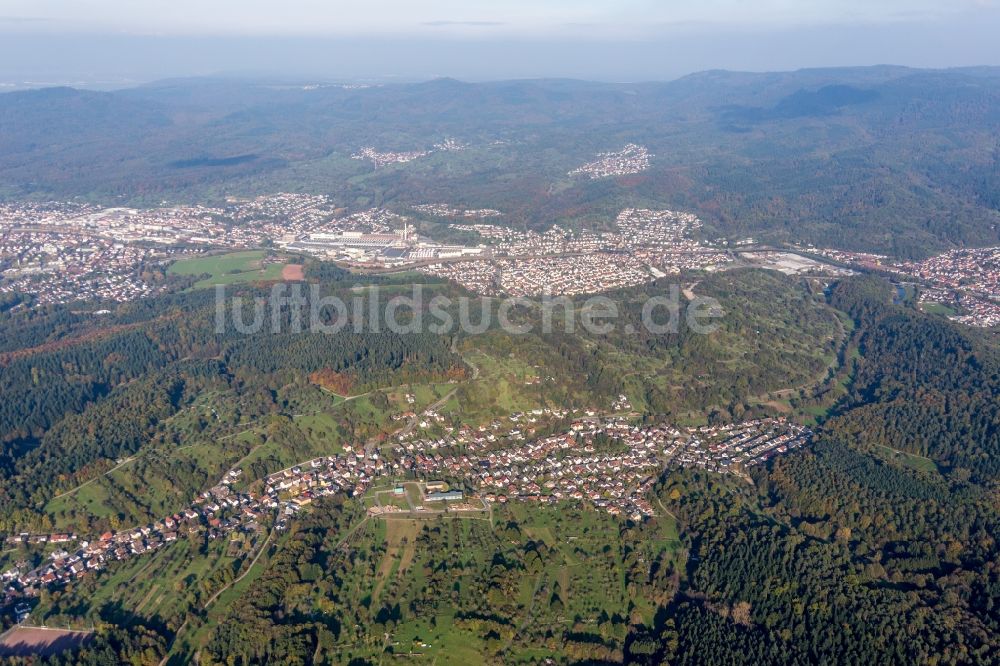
61 252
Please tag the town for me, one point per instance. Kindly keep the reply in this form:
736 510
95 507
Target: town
444 210
559 276
61 252
64 252
964 284
969 280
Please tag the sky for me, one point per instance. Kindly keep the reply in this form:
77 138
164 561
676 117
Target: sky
122 41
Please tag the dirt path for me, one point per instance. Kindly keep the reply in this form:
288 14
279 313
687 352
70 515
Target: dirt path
668 511
90 481
688 291
527 615
263 547
400 547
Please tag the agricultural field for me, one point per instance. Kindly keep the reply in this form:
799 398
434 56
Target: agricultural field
759 355
157 481
443 588
512 381
450 589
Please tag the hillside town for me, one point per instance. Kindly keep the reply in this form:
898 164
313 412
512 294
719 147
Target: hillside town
608 463
571 276
450 144
631 159
444 210
217 512
385 157
647 244
636 228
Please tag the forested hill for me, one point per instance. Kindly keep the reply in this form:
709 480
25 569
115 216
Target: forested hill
78 395
874 543
921 385
887 158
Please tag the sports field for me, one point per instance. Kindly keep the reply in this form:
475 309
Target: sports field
36 641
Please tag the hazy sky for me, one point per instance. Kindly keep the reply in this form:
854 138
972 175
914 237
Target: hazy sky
599 19
609 39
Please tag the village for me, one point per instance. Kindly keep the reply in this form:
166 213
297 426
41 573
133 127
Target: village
382 158
606 462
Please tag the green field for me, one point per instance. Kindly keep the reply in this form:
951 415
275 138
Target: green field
910 460
231 268
938 308
504 385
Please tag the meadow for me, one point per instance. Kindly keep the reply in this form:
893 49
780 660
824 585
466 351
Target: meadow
230 268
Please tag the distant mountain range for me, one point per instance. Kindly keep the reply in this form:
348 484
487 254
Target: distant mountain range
882 158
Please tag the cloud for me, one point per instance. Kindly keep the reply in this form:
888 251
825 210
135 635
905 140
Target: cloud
476 24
